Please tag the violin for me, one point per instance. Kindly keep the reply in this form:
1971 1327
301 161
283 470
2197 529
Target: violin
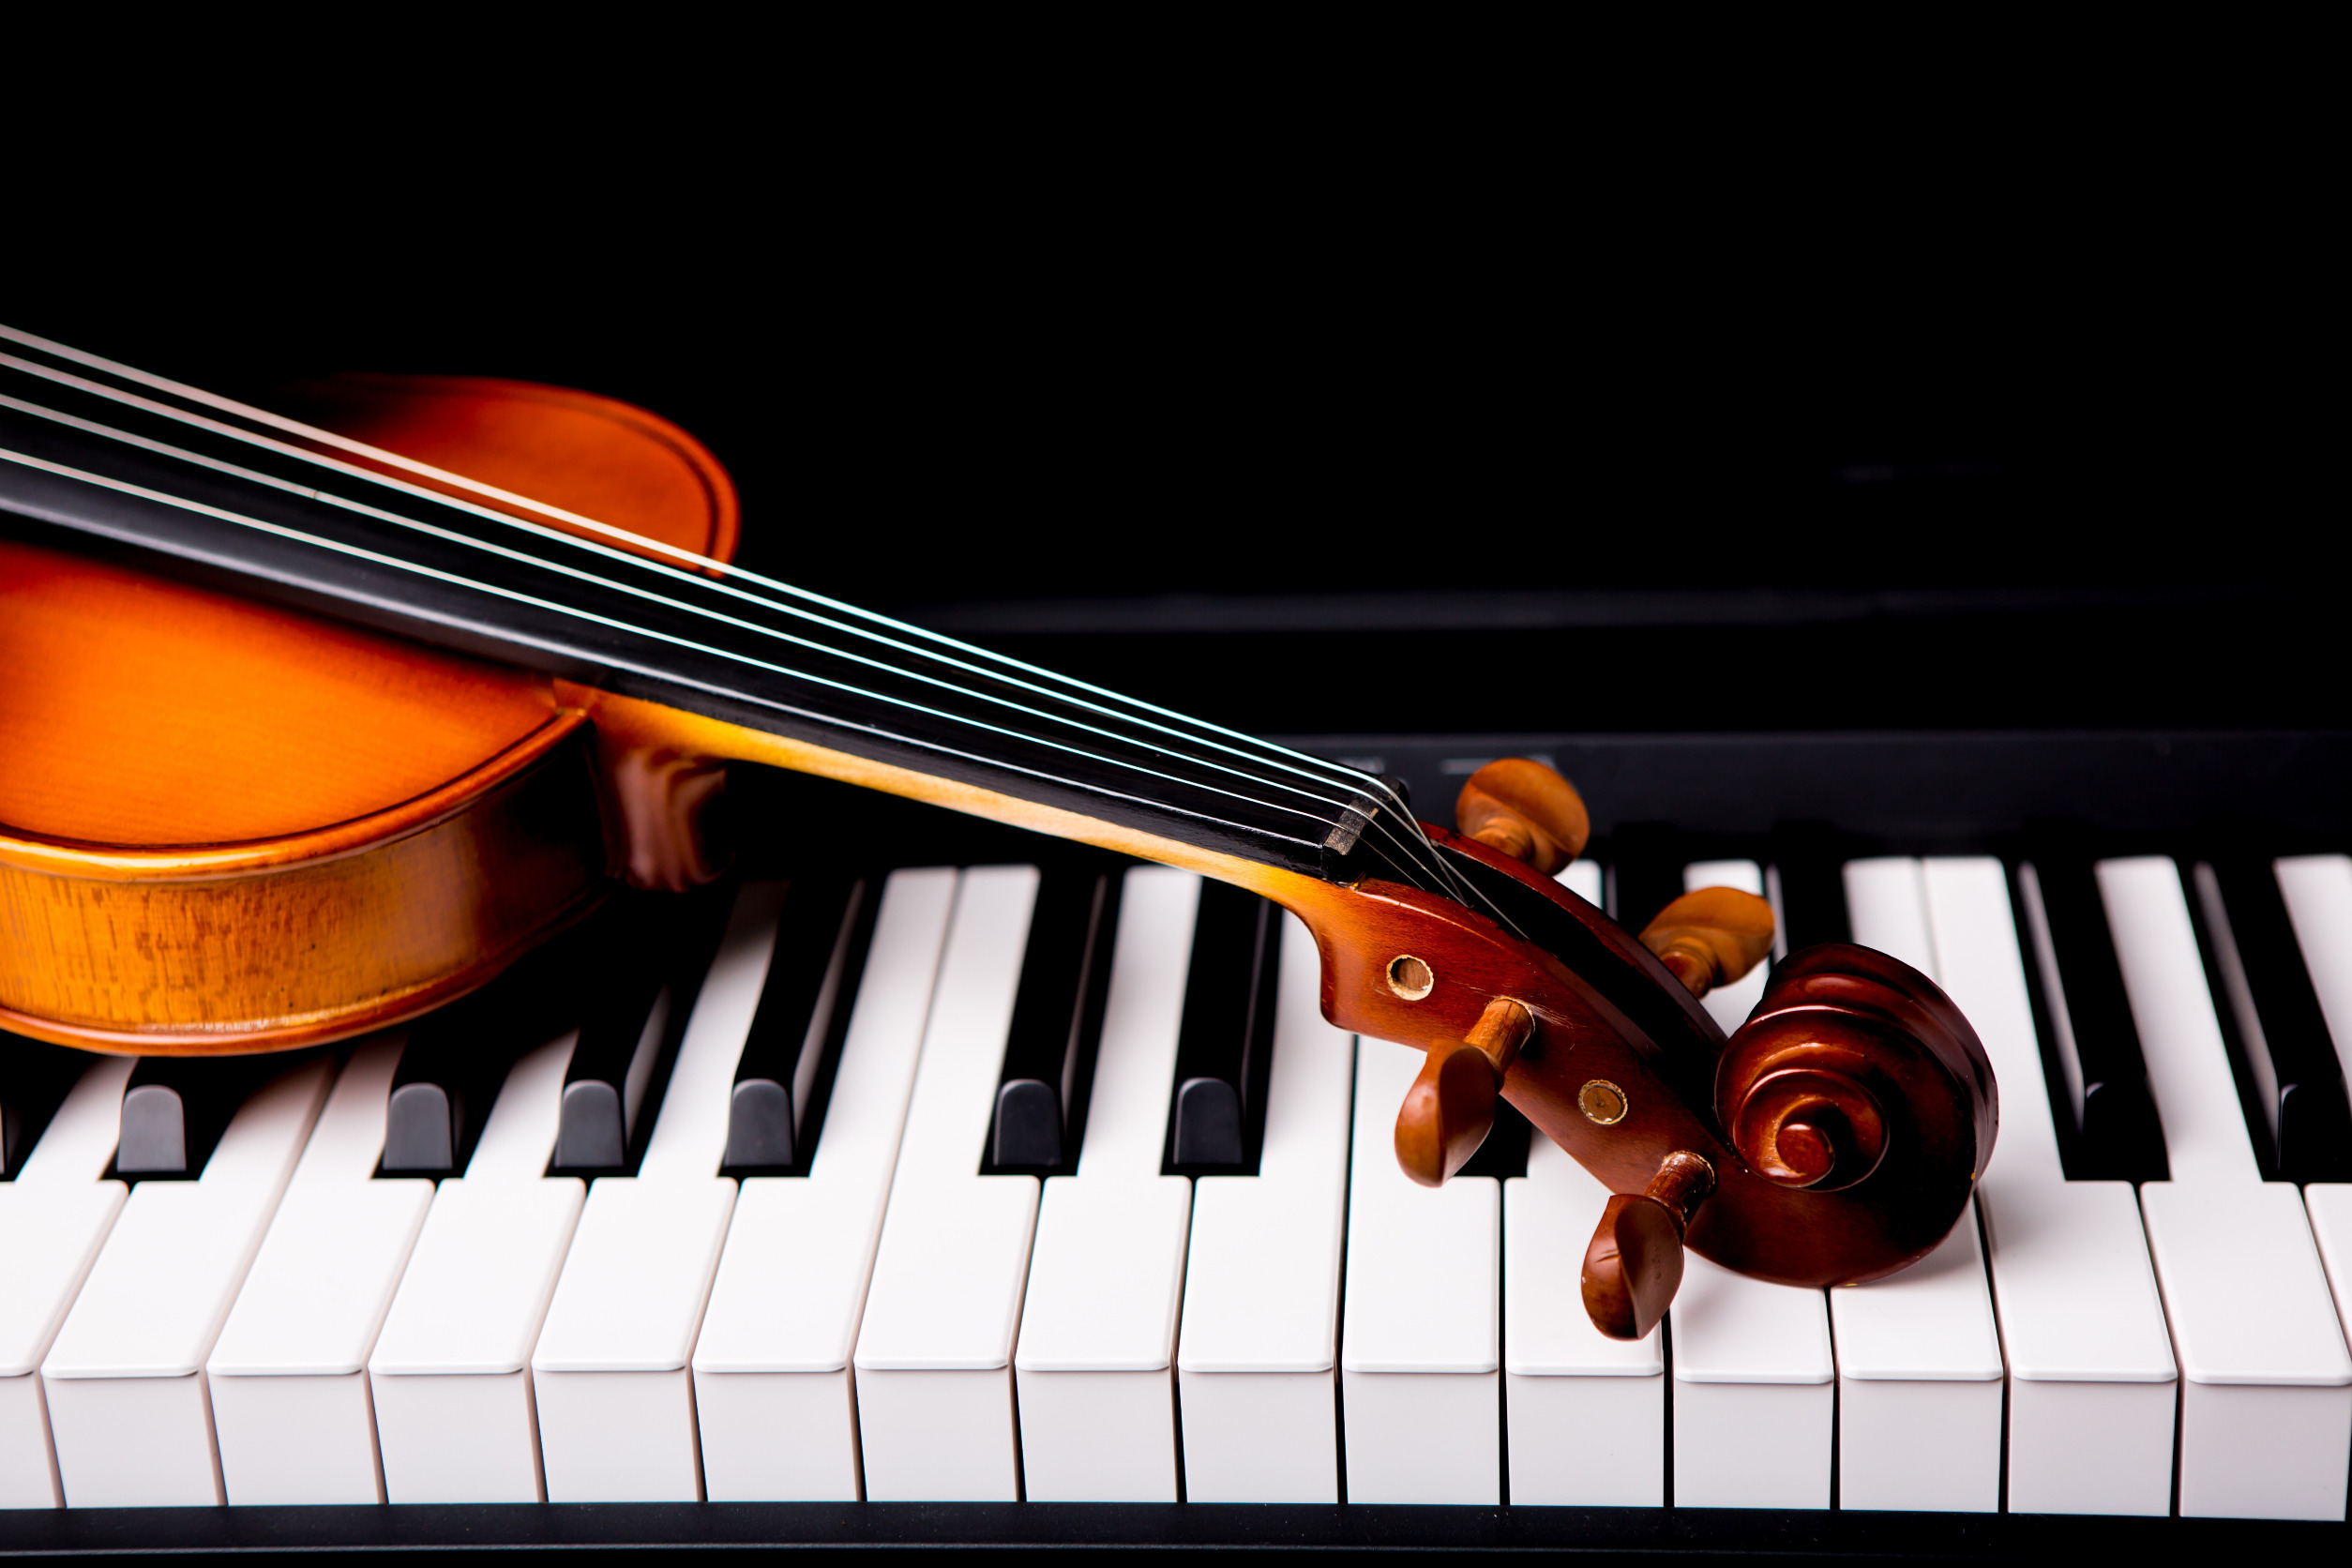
319 717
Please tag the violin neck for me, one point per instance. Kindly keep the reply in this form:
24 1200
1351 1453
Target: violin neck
267 507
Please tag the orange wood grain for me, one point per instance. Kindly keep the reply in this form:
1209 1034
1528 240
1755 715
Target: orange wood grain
318 947
140 713
229 828
598 457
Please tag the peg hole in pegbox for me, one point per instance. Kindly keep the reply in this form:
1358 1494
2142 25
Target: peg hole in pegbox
1410 977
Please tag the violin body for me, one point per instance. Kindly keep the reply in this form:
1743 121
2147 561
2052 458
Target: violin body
228 828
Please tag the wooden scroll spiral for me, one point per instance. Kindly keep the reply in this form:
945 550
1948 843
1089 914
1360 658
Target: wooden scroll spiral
1854 1066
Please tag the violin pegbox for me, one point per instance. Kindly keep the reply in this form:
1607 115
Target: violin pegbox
1707 938
1835 1137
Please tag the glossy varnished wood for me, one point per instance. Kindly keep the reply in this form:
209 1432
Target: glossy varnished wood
228 828
567 451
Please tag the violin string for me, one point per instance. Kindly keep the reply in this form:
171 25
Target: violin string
1368 789
698 580
705 567
452 537
667 676
1414 846
1411 843
456 580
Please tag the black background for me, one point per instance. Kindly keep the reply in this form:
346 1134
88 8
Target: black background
1377 425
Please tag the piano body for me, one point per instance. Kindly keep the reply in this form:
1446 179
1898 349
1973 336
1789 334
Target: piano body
926 1182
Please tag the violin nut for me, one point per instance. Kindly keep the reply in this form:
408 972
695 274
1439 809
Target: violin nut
1410 977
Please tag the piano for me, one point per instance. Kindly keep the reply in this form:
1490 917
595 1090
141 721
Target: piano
993 1194
1001 1192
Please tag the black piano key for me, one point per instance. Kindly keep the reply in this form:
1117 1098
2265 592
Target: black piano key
2079 999
175 1108
1057 1021
450 1072
1808 871
458 1057
35 1077
646 967
2277 1035
821 941
1503 1156
1224 1048
1645 863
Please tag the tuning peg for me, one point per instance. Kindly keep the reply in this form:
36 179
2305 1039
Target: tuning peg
1449 1108
1635 1262
1711 937
1525 810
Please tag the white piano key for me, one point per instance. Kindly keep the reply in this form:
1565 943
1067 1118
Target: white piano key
1097 1418
2318 893
1980 963
2266 1413
1884 898
1419 1354
1583 878
53 1217
1919 1369
772 1383
1258 1355
934 1362
450 1373
1749 1357
614 1392
2329 1206
2188 1064
2265 1416
124 1377
689 1136
616 1399
1094 1369
288 1375
1586 1414
1919 1362
1752 1391
2091 1385
1729 1006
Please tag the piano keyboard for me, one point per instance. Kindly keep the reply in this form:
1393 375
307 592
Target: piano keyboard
887 1190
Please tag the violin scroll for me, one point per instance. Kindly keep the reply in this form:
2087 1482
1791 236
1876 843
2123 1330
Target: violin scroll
1835 1139
1851 1060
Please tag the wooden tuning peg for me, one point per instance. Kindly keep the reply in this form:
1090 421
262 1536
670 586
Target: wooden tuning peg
1449 1108
1525 810
1635 1262
1711 937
